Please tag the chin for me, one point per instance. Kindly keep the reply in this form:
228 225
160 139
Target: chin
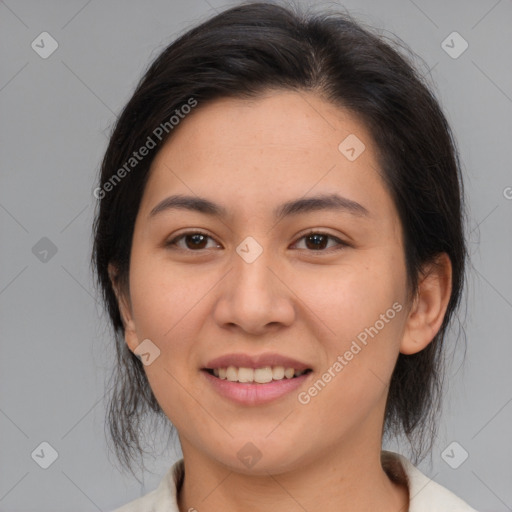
259 456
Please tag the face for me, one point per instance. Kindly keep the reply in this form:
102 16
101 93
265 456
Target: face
321 287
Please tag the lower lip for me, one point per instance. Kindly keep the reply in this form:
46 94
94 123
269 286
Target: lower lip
255 394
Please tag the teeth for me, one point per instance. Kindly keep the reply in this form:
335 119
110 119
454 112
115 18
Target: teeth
289 373
232 374
245 375
258 375
278 372
263 375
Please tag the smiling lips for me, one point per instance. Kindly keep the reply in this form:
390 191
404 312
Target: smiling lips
255 380
258 375
262 368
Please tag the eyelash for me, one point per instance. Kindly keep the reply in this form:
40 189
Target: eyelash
341 244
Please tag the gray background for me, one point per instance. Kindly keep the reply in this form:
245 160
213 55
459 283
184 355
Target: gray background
55 346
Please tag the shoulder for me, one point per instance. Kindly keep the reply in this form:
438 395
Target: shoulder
425 495
163 498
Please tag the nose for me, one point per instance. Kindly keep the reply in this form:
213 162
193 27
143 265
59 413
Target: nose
255 297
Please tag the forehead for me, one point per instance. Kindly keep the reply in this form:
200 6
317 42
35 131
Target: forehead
277 120
265 150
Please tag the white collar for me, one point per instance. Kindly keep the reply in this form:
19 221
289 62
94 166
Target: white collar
425 495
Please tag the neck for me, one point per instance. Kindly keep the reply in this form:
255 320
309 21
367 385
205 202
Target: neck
348 479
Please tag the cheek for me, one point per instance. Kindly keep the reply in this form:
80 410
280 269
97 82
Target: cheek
163 296
335 301
361 313
349 297
165 305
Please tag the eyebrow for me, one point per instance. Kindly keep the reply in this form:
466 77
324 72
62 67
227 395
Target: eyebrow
290 208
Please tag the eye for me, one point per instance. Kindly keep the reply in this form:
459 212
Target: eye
317 241
198 240
194 240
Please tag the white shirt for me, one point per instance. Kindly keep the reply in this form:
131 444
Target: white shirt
425 495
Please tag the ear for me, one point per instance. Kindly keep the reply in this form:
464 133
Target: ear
429 306
123 302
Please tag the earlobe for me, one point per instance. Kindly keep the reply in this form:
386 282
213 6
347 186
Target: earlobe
125 311
429 306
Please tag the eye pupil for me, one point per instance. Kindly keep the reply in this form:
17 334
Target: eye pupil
198 240
318 241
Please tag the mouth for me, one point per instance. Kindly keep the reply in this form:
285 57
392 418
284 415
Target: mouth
251 380
259 386
263 375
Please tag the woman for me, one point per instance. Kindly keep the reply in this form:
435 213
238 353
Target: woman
280 246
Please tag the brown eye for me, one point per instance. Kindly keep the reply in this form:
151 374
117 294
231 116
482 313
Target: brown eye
318 241
195 240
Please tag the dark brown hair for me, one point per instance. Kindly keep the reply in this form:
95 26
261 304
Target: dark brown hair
254 48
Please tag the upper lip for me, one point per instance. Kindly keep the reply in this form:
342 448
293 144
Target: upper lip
255 361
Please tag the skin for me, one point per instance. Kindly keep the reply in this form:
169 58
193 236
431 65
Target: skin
194 305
